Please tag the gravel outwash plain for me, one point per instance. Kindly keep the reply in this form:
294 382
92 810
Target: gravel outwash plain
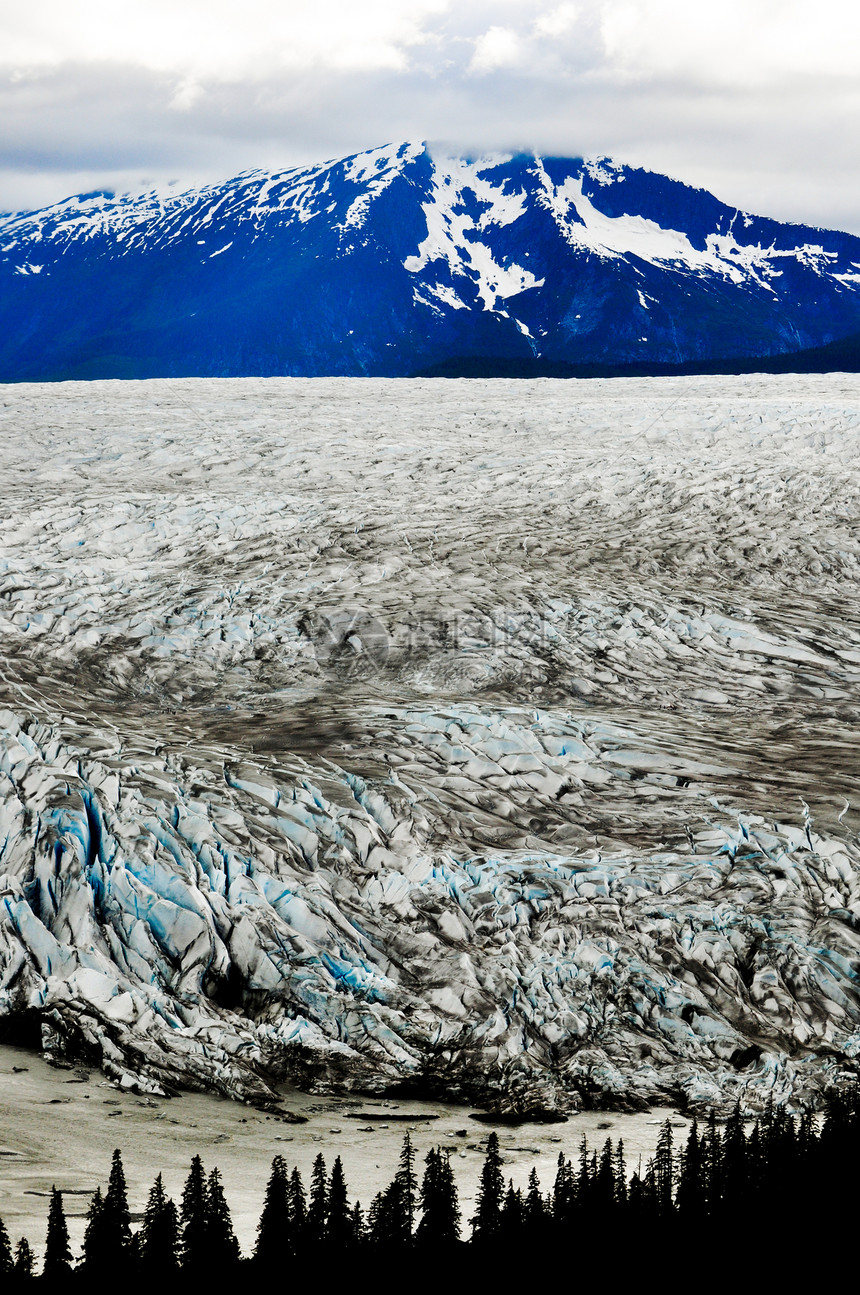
495 740
60 1129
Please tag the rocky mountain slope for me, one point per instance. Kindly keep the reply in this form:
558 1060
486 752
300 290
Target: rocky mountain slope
397 261
492 739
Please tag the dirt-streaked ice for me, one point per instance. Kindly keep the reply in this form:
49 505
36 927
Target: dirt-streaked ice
493 737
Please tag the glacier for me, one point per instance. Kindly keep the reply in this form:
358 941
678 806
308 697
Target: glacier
493 740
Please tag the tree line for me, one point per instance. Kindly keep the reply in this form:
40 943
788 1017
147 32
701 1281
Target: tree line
779 1168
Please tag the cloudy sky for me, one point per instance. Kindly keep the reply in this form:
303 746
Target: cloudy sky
756 100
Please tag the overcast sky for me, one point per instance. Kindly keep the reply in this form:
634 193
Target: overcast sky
756 100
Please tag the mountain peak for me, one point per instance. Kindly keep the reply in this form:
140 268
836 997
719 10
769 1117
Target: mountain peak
403 257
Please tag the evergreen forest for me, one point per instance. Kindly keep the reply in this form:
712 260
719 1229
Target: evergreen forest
778 1184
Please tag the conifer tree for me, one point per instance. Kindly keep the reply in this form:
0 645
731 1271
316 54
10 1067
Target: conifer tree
604 1179
512 1212
23 1260
636 1198
755 1166
298 1207
375 1220
486 1222
583 1177
712 1156
6 1261
114 1224
564 1192
93 1248
339 1229
358 1225
620 1176
691 1196
274 1231
650 1197
664 1171
408 1184
440 1218
58 1256
222 1248
807 1142
192 1217
159 1233
386 1219
733 1163
534 1210
318 1203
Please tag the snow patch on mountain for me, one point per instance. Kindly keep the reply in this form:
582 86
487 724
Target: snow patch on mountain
464 204
376 170
585 226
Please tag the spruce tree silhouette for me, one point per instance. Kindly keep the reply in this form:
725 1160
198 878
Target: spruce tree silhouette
94 1246
712 1158
487 1220
222 1248
408 1185
318 1204
690 1198
192 1218
650 1205
58 1256
339 1229
604 1182
564 1190
385 1219
734 1169
298 1208
664 1171
359 1228
512 1214
439 1226
581 1184
6 1261
114 1226
23 1260
275 1229
620 1176
534 1211
158 1238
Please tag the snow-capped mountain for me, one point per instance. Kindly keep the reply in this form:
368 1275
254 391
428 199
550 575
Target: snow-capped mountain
397 260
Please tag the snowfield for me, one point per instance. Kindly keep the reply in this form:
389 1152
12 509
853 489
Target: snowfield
497 740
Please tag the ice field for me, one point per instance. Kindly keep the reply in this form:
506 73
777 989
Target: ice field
489 739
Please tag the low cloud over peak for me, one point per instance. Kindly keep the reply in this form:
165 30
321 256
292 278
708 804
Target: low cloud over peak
753 100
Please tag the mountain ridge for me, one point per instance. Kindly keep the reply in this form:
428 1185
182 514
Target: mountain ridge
397 261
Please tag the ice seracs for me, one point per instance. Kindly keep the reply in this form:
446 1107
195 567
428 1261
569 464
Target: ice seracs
492 739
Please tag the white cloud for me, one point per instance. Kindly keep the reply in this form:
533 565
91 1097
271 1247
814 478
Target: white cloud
216 38
186 94
733 41
496 48
756 100
555 22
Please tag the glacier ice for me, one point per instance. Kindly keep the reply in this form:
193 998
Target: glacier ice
578 834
